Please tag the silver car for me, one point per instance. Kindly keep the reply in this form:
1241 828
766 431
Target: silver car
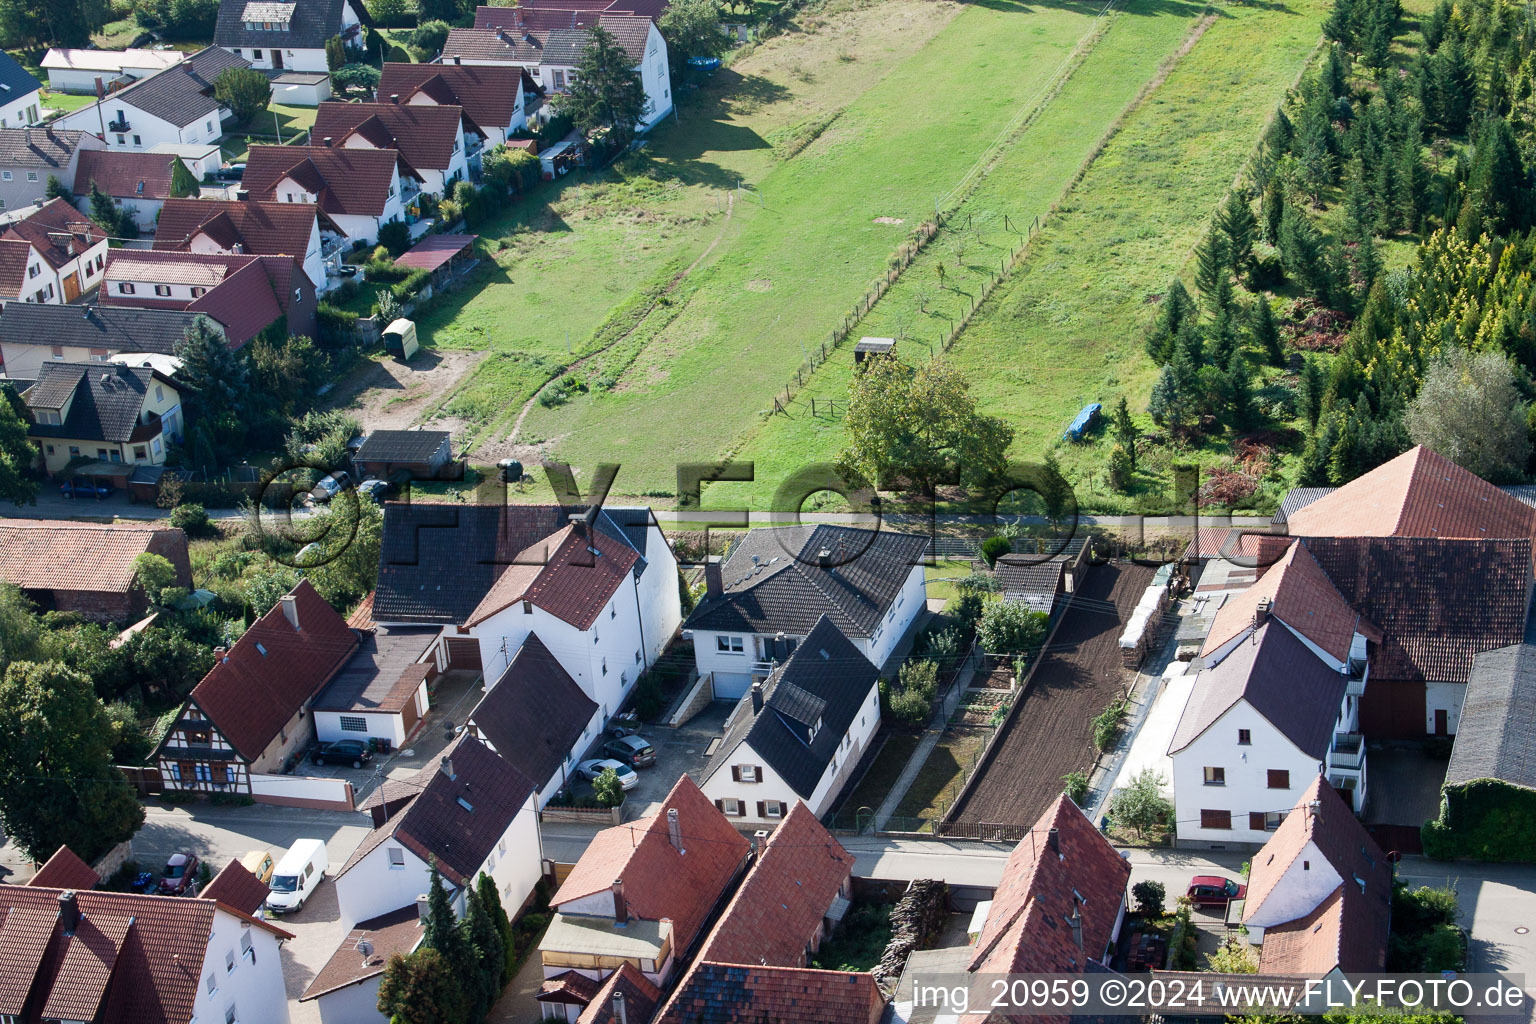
590 770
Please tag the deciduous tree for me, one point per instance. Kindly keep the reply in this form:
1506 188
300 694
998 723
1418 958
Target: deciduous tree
245 91
691 29
1141 805
16 455
1469 409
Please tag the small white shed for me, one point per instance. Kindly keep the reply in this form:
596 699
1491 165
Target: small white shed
300 88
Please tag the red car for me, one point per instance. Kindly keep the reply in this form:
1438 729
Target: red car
1214 891
180 876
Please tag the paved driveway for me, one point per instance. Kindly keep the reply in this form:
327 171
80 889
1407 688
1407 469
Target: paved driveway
678 751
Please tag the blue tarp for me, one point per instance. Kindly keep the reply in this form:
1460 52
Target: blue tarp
1083 421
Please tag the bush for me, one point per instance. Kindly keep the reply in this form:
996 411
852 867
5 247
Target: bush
993 548
921 676
392 13
1010 627
1121 475
650 700
193 519
908 706
1075 786
356 76
337 327
1150 897
607 788
1483 820
395 236
408 289
429 38
1106 727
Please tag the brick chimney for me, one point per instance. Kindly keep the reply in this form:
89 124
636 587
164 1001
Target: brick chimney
1261 612
675 830
446 764
757 697
394 98
714 579
291 610
69 912
1053 840
824 558
423 908
620 907
219 654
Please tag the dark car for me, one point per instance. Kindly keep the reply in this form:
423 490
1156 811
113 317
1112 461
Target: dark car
353 752
1214 891
180 876
83 487
230 172
634 751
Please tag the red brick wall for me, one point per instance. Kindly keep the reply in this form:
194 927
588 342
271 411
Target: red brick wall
101 606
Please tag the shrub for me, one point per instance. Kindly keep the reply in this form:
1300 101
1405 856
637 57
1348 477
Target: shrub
1106 727
1121 474
908 706
1010 627
993 548
1233 957
192 518
389 308
1141 805
395 236
968 609
1075 786
921 676
429 38
1150 897
607 788
336 326
650 701
356 76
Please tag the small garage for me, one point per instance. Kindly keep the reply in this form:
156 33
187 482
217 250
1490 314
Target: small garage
300 88
380 694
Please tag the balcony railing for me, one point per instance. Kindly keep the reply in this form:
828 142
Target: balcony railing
1348 753
120 125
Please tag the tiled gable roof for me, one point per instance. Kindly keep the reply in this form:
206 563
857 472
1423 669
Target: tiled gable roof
424 134
236 887
108 400
59 232
1437 602
273 670
41 148
488 95
1418 494
1303 597
826 679
347 181
115 328
629 31
15 80
571 574
774 581
732 994
52 554
639 995
1496 734
1275 673
15 257
456 821
1347 929
398 932
181 94
535 712
65 870
779 906
660 881
487 44
312 23
125 175
244 294
1063 870
260 228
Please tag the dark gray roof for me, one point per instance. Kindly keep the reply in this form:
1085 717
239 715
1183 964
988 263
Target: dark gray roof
314 21
1293 688
1298 498
826 680
48 148
773 582
437 561
183 93
1496 738
1036 585
565 46
107 400
115 328
535 713
15 80
367 682
402 445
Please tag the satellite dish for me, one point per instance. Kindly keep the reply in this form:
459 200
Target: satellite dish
365 947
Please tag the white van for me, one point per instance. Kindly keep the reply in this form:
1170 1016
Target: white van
297 876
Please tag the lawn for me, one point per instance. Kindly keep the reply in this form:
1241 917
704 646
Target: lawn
824 226
939 780
941 577
877 781
65 102
117 35
278 122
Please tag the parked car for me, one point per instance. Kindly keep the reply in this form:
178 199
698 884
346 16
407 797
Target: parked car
376 490
297 875
353 752
634 751
230 172
84 487
1214 891
331 485
592 769
259 864
626 724
180 875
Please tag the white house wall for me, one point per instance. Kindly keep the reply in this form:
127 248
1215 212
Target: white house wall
297 59
355 1004
254 987
1445 697
660 603
1306 882
384 725
656 78
23 111
898 617
1246 768
145 130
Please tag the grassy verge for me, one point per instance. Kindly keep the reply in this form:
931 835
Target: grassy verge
881 776
938 782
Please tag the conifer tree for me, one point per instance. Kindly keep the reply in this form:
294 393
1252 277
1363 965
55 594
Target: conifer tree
1213 266
1125 430
1264 332
1239 225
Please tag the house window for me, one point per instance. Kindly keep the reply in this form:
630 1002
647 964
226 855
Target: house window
31 175
605 666
729 644
501 846
1256 821
209 126
396 857
138 141
122 141
5 175
159 393
162 290
1265 821
33 270
637 656
246 949
255 55
1215 776
126 288
140 453
1279 778
229 1014
730 807
198 290
213 982
1215 819
229 961
353 723
747 773
527 607
773 809
1244 737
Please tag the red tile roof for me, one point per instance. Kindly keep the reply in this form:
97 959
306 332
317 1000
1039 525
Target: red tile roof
487 94
570 574
272 670
124 175
660 881
53 554
1303 597
1348 928
730 994
237 888
1046 884
260 228
397 932
568 987
65 870
347 181
246 301
779 906
640 998
245 292
1418 494
58 231
150 980
424 133
15 256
